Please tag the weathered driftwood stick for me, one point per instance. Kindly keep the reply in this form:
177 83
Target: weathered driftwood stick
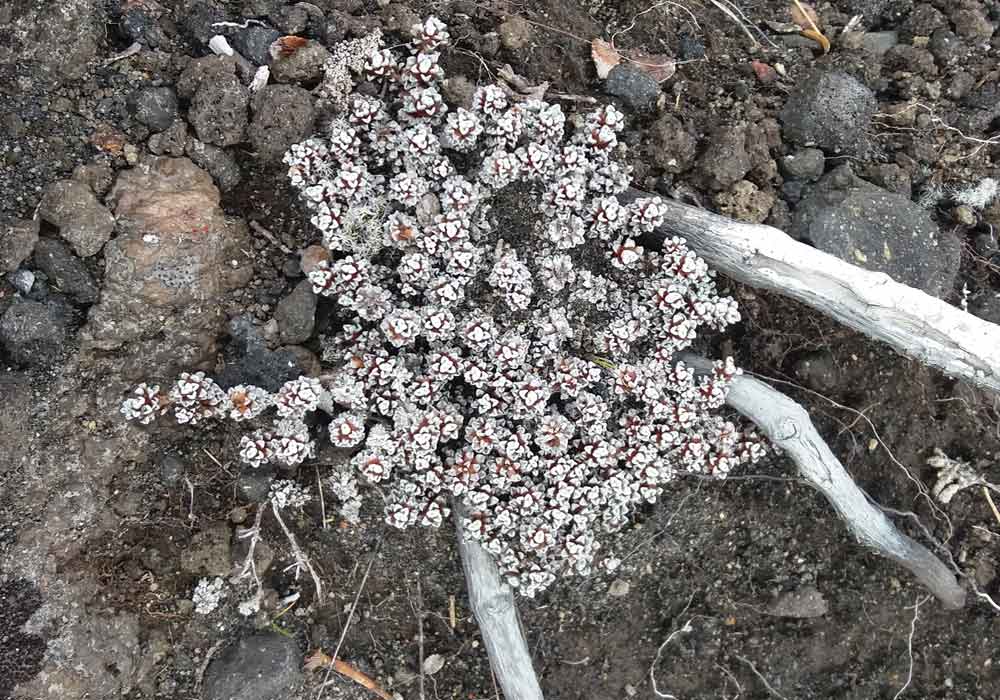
789 427
493 605
914 323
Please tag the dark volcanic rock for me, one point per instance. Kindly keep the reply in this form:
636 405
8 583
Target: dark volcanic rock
33 333
633 86
17 239
878 230
283 115
260 667
156 107
830 110
65 271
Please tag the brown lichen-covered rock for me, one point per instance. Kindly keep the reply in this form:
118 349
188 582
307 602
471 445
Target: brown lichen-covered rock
302 66
670 144
164 269
83 221
725 160
744 201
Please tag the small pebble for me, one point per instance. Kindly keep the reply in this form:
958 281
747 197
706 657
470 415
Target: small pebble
619 588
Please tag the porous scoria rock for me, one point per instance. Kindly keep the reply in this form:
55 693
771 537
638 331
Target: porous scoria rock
164 270
33 333
304 65
283 115
832 111
65 271
725 160
62 38
83 221
745 202
219 111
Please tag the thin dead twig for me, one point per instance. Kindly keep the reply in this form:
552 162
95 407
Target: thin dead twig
650 9
921 488
270 237
909 645
419 611
301 560
322 501
939 123
993 506
685 628
191 516
347 625
207 660
763 680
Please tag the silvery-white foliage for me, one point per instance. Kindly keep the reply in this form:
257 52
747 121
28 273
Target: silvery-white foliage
508 342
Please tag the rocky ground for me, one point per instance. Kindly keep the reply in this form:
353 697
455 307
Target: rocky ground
130 248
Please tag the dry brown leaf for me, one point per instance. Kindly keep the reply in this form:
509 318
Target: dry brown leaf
660 67
287 45
804 15
605 57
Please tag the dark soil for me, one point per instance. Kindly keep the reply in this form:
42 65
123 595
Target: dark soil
712 558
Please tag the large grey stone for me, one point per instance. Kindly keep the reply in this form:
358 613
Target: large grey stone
254 42
156 107
803 164
867 226
296 314
60 39
163 271
633 86
260 667
219 110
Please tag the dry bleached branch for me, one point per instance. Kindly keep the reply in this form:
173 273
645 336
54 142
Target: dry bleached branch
912 322
789 427
492 602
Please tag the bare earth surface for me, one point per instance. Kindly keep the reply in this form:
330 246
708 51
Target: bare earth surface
106 528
